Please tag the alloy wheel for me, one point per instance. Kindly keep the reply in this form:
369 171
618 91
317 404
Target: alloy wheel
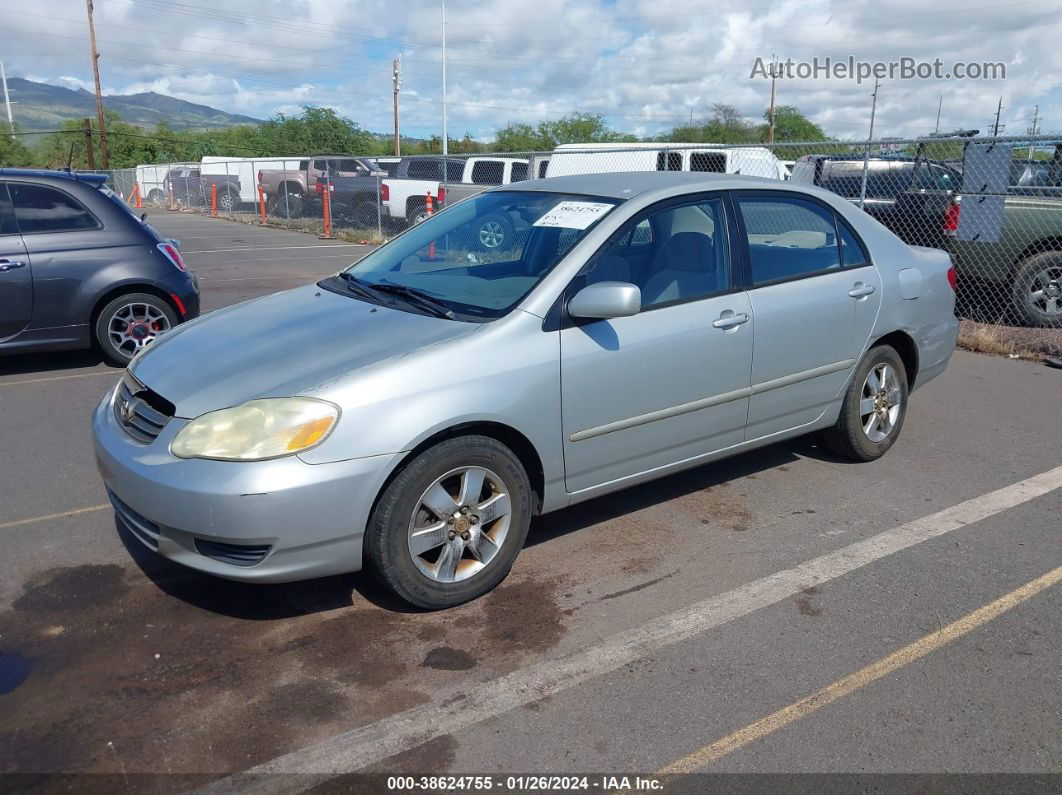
881 402
491 234
1045 292
460 524
135 326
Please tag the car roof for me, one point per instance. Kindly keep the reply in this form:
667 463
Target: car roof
627 184
92 179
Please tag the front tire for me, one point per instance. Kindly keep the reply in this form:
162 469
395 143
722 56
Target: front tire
450 524
228 200
874 407
130 323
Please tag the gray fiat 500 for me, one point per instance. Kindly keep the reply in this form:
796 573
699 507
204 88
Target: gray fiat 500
412 413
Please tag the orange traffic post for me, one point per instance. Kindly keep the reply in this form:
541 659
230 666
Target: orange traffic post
327 211
139 200
429 210
261 204
214 199
134 195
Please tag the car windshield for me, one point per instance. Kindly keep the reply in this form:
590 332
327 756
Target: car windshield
479 258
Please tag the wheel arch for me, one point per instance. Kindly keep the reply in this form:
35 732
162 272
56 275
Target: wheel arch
516 441
127 289
1046 245
904 344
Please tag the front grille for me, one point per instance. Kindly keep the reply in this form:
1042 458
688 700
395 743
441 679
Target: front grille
144 529
234 554
142 413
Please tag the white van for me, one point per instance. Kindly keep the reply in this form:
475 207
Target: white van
750 161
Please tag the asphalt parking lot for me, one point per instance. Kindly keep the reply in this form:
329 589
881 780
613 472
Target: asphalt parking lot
780 612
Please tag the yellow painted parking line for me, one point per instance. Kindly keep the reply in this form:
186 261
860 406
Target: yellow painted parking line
861 678
58 378
60 515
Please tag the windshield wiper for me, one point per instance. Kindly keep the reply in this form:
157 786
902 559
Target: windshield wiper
414 296
358 287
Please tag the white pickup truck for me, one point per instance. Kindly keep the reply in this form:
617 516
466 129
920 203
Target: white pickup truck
410 180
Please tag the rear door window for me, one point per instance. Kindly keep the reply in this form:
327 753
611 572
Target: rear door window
518 173
788 238
40 208
669 161
425 169
714 162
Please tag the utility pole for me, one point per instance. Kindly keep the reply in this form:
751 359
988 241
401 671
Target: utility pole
999 109
774 77
866 150
1034 130
89 154
99 94
396 83
445 135
940 105
7 99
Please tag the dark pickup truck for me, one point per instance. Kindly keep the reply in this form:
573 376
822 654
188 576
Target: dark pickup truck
909 196
353 201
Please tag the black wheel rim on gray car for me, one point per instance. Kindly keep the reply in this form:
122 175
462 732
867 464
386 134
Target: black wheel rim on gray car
881 402
134 326
1044 292
459 524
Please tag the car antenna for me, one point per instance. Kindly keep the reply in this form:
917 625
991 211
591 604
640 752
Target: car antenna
70 159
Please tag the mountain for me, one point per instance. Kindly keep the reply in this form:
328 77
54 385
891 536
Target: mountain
40 106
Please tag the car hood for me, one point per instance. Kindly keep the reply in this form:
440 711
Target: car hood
297 342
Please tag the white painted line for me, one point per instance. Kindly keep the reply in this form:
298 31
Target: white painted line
457 708
270 248
114 372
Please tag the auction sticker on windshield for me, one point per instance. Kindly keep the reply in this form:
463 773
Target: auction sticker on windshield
574 215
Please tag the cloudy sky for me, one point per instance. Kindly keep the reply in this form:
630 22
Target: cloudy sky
646 65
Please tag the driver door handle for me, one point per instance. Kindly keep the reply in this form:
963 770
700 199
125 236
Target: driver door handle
860 290
10 265
730 320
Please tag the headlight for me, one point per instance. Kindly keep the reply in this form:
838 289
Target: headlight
259 429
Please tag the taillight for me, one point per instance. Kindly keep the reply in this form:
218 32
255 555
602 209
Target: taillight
173 255
385 192
259 177
951 277
442 194
951 220
319 188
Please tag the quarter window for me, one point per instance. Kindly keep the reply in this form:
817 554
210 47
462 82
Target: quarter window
518 173
788 238
852 252
39 208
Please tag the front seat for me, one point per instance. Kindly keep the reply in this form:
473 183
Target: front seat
610 269
684 266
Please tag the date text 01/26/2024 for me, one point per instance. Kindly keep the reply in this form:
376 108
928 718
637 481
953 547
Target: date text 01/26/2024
531 783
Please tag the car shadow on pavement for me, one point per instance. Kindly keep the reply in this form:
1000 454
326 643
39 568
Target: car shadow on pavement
256 602
34 363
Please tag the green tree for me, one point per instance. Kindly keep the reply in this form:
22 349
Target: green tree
791 125
13 152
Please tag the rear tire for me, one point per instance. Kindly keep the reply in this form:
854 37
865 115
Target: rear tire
130 323
408 545
156 196
872 412
1037 290
494 232
287 204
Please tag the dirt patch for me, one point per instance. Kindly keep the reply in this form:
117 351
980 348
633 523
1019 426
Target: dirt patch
189 674
444 658
720 506
804 602
72 588
1018 341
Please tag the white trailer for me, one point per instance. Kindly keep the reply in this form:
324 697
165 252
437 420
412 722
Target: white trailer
152 181
751 161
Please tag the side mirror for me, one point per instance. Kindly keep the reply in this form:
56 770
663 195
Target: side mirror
606 300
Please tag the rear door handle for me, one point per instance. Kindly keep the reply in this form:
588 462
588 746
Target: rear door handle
728 320
10 265
861 290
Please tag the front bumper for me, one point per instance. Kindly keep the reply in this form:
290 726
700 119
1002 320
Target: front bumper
261 521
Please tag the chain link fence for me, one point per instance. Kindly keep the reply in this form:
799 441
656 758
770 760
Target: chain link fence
995 204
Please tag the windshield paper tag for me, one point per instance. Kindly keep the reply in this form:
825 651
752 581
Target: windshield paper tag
573 215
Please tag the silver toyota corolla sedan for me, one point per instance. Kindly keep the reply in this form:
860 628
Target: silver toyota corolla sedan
413 412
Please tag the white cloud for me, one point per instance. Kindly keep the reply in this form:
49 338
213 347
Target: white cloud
643 63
